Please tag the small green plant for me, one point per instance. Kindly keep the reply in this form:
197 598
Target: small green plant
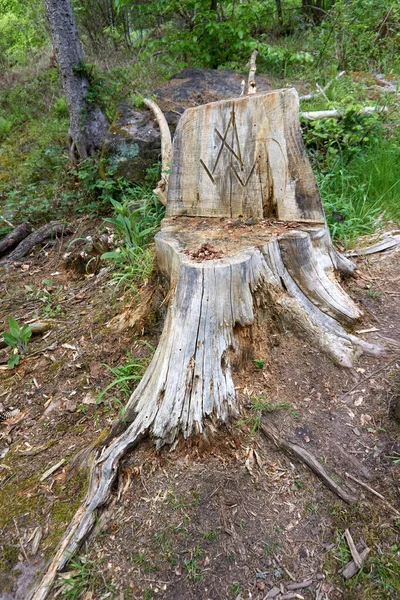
194 571
395 458
258 406
235 589
17 338
135 222
131 370
259 363
79 581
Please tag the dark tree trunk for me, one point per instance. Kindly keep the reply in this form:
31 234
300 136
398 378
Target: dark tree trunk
88 124
279 12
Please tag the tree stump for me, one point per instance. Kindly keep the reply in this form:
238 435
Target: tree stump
244 242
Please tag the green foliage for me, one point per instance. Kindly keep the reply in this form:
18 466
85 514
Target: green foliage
132 370
136 220
258 406
17 338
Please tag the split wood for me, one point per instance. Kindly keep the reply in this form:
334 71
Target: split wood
351 568
353 550
306 457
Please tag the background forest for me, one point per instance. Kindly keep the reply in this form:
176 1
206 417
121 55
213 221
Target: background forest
130 47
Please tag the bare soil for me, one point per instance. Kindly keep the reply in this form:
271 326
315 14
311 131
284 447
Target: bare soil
223 517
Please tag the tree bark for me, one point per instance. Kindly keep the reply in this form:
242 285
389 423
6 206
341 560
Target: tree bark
88 124
15 237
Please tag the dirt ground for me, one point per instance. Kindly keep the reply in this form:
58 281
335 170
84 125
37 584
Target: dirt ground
231 517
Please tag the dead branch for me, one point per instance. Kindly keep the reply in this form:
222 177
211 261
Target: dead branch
306 457
374 492
322 90
15 237
335 114
251 82
166 145
53 229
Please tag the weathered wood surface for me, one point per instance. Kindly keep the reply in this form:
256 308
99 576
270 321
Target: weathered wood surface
51 230
243 157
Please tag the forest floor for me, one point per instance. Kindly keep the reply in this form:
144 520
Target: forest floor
234 518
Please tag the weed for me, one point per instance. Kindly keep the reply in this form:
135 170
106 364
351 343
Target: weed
259 363
258 406
209 536
395 458
235 589
194 571
17 338
131 370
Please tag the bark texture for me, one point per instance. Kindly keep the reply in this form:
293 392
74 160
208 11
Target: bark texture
88 124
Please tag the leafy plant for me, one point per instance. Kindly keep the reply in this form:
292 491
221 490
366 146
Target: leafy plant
135 222
17 338
259 363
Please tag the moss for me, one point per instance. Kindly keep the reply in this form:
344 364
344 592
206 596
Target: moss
18 498
9 554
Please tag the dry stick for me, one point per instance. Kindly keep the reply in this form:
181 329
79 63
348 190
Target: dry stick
166 145
369 377
299 586
353 550
322 90
52 229
251 82
335 114
288 573
306 457
370 489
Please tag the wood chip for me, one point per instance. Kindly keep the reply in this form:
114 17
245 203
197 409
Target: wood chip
52 470
351 569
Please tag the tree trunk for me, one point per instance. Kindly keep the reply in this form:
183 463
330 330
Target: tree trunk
88 124
245 248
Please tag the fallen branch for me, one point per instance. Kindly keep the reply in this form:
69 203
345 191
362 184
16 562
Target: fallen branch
251 82
166 145
306 457
53 229
374 492
15 237
335 114
386 242
322 90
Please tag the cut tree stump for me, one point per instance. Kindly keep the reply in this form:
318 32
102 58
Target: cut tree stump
244 243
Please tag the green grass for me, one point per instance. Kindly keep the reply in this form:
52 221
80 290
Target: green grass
360 196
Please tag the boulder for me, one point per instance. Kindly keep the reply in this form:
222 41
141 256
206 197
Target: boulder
133 142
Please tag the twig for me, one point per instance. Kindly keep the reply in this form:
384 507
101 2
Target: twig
251 82
321 90
52 470
288 573
369 377
20 541
370 489
306 457
353 550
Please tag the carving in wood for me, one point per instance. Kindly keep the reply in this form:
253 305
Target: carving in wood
243 158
